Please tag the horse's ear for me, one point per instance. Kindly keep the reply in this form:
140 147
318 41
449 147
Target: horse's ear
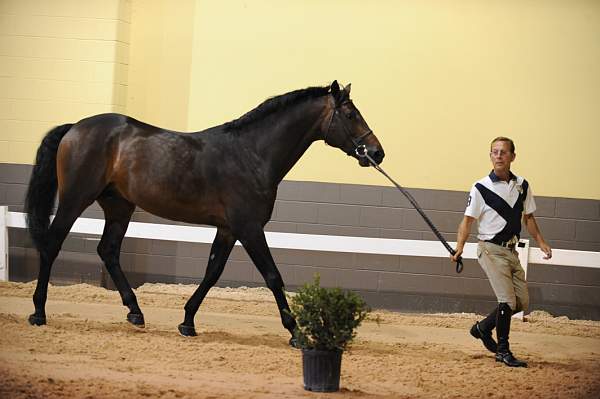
335 88
347 89
338 94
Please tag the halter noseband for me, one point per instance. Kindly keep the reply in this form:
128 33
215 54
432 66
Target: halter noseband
359 148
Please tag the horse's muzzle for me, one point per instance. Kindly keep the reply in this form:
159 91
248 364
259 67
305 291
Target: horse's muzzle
376 155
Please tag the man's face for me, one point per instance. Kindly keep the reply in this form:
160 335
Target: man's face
501 156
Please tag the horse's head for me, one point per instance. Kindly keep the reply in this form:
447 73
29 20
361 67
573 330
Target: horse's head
348 131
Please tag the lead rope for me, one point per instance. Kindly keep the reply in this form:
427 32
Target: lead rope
362 152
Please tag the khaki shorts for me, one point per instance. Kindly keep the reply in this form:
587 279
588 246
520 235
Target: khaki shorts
505 273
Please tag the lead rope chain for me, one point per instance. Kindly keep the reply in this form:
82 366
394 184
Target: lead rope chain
362 152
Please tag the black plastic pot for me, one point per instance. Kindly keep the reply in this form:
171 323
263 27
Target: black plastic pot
321 370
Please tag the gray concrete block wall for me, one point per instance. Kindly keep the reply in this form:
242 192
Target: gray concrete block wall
395 282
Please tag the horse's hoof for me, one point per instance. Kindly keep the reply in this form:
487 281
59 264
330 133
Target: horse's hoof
37 320
187 331
294 343
137 319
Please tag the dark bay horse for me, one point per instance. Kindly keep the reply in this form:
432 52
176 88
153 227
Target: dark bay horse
225 176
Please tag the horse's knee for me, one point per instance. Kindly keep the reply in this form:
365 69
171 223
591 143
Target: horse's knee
103 251
274 281
48 253
210 280
108 253
212 276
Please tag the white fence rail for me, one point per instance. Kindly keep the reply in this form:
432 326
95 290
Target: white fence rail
311 242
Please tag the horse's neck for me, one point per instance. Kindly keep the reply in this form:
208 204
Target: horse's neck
281 146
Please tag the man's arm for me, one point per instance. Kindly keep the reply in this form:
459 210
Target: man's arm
464 228
534 231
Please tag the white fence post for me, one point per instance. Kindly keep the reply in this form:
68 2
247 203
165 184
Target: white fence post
3 244
523 251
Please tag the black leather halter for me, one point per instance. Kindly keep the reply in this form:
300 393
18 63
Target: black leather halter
356 141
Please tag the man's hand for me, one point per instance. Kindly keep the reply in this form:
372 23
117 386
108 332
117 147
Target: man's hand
535 232
456 255
546 249
464 228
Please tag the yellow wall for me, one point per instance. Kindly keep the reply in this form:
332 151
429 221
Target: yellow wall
435 79
60 61
161 57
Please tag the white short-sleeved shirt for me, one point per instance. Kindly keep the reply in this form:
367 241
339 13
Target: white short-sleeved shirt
490 222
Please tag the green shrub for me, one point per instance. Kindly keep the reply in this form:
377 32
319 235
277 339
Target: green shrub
326 317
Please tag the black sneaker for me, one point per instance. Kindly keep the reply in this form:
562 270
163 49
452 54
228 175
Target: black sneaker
508 359
487 339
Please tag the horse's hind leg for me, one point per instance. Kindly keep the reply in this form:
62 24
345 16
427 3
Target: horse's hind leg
117 212
219 253
68 211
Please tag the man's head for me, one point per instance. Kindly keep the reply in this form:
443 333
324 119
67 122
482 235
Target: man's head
502 153
506 139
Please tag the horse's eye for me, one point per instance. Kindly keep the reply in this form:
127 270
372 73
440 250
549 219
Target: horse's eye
350 115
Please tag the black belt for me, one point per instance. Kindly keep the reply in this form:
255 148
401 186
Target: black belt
510 244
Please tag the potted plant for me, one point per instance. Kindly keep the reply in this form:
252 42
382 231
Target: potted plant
326 322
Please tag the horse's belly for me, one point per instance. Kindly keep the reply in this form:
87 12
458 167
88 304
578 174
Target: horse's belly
189 207
188 214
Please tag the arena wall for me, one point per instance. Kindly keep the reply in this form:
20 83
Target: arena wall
394 282
435 80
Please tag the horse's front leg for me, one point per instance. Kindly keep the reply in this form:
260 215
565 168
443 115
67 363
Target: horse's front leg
254 241
219 253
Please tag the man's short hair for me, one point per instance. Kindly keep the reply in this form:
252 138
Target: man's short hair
502 138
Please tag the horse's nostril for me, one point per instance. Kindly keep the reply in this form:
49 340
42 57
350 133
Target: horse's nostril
378 156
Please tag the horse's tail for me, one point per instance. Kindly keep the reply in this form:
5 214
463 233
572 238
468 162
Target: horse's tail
43 186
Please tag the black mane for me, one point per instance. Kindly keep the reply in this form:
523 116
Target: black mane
275 104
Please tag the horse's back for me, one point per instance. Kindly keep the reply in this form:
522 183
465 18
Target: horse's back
109 124
180 176
151 167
